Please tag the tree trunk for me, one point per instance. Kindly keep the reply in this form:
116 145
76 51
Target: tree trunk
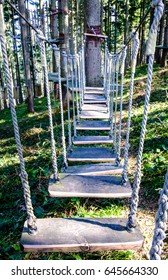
163 61
93 45
26 56
16 59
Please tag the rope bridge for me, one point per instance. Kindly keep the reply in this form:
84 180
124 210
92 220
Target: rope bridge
93 165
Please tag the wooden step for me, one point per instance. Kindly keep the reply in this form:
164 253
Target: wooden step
106 186
94 115
94 88
94 107
93 125
96 101
82 140
93 169
92 154
94 97
80 234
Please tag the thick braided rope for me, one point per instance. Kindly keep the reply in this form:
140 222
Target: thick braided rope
105 69
112 95
116 99
79 79
108 79
57 55
68 102
137 179
133 66
122 67
73 96
83 67
76 86
160 223
44 64
31 221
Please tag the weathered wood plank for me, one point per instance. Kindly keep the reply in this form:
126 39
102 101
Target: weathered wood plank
89 186
92 154
93 125
94 97
82 140
93 169
94 115
80 234
94 107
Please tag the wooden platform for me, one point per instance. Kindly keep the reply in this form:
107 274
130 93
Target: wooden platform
83 140
94 99
93 169
80 235
93 125
106 186
92 154
94 115
94 107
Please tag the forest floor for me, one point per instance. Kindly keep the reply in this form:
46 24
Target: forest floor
35 137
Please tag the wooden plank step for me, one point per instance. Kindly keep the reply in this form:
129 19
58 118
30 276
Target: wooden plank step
94 107
82 140
94 88
96 92
89 101
94 97
81 234
94 115
92 154
106 186
93 169
93 125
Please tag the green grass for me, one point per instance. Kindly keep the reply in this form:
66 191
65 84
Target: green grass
35 137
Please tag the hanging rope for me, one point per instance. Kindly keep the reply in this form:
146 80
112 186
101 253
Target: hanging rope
122 68
133 66
116 103
150 50
160 223
76 85
57 55
112 95
68 102
73 95
31 220
44 64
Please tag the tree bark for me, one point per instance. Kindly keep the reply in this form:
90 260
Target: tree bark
93 45
26 57
163 61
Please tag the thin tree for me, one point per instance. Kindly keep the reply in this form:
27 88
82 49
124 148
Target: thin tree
26 56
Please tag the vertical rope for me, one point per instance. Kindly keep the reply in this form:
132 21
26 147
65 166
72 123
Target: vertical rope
116 101
105 69
76 86
112 95
160 223
31 219
108 81
79 80
133 66
57 54
68 103
73 96
44 64
122 68
150 52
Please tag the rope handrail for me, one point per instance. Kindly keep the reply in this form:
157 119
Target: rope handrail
150 50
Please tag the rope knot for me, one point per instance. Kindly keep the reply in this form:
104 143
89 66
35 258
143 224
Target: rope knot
40 35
